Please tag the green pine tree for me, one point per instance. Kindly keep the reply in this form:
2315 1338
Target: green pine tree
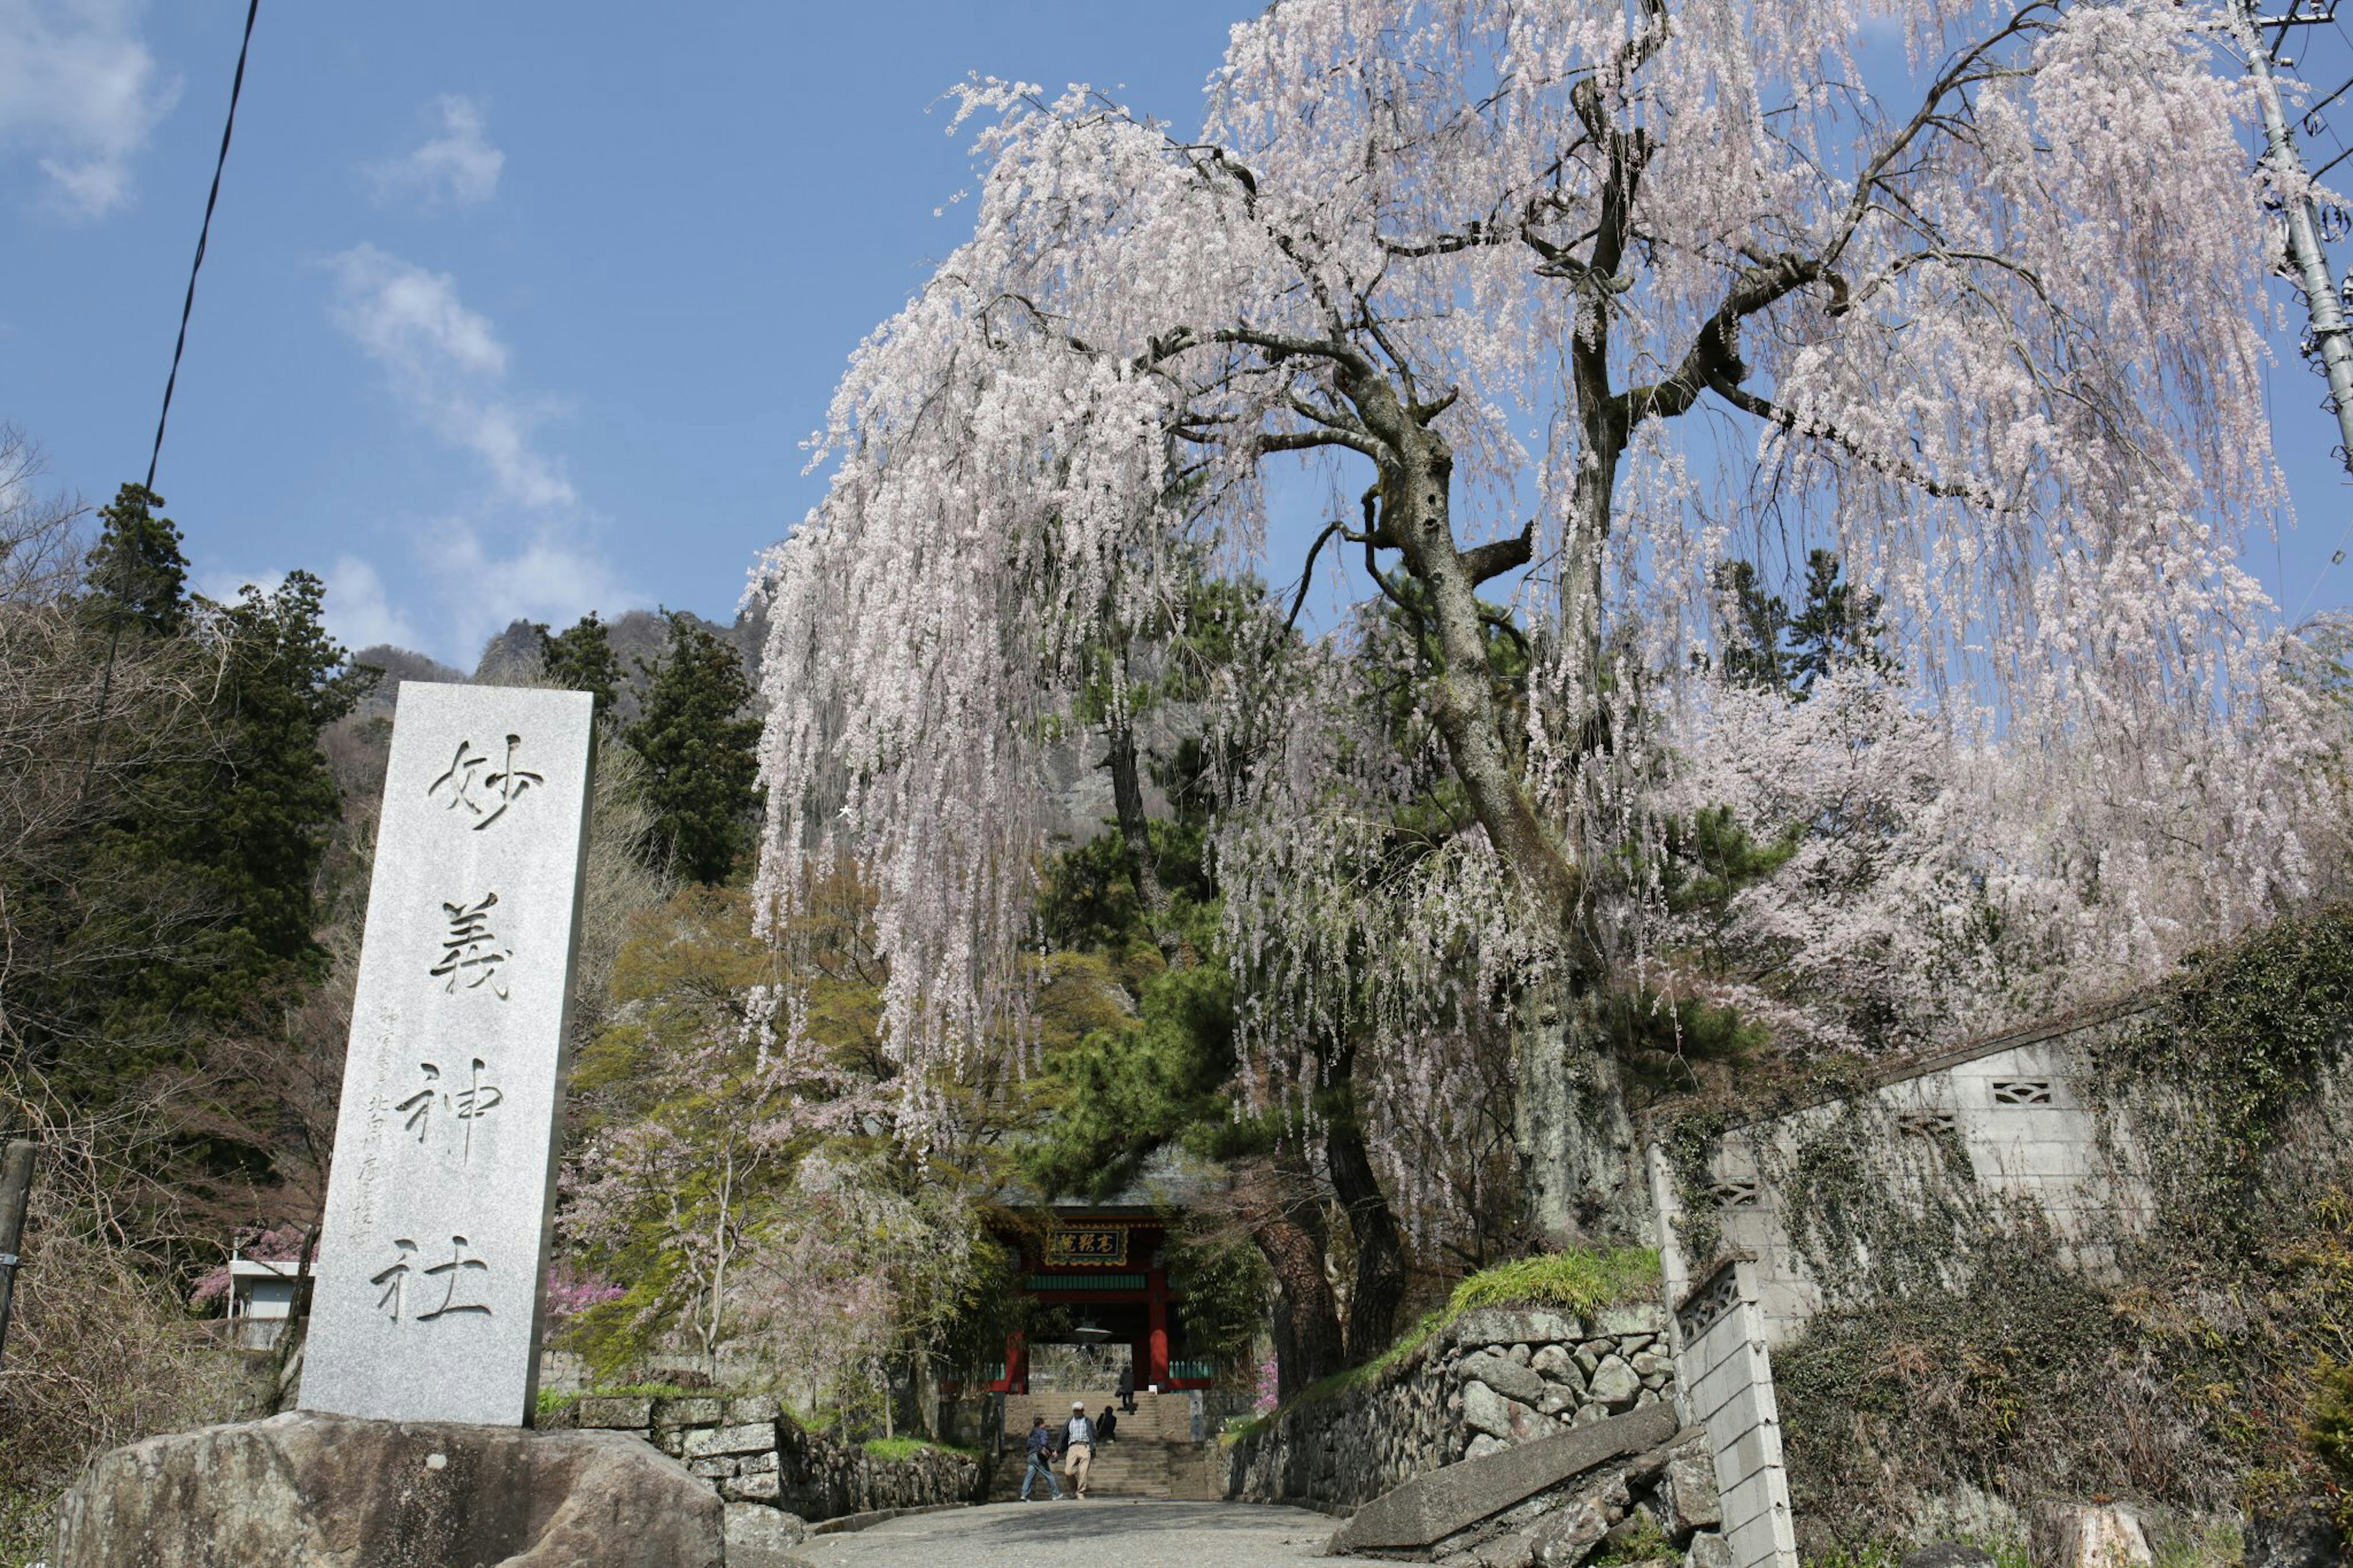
581 659
138 577
697 742
191 901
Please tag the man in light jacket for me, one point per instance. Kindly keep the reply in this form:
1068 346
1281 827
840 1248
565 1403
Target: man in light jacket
1077 1446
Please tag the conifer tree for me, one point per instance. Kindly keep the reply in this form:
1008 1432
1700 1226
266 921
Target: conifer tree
191 899
136 569
581 659
698 745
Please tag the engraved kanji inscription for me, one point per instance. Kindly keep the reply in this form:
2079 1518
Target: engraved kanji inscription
482 795
406 1287
394 1281
470 950
464 1105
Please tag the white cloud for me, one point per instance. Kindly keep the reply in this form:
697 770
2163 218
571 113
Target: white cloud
358 611
457 166
81 93
446 362
477 579
518 551
488 576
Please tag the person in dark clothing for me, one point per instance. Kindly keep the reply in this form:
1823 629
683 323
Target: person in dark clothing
1041 1458
1127 1389
1106 1426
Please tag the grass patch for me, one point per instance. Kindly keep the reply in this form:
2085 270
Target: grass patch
1582 1282
550 1401
893 1449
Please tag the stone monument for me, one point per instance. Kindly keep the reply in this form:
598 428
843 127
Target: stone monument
427 1298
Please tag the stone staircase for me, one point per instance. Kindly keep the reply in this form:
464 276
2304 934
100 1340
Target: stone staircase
1154 1455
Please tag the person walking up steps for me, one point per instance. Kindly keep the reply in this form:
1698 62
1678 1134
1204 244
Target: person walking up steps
1077 1446
1127 1389
1041 1458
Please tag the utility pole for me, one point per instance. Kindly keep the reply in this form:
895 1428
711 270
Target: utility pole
15 1186
2309 262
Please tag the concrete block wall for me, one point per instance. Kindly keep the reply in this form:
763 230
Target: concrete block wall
1728 1389
2014 1107
751 1451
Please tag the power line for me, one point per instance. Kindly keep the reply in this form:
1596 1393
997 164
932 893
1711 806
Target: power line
170 382
203 236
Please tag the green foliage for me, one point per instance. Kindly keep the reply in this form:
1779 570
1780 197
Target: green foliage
1125 1091
1763 645
2207 1372
581 659
1639 1540
699 746
1222 1280
2328 1427
138 577
898 1450
2243 1034
1664 1043
1581 1282
551 1403
192 897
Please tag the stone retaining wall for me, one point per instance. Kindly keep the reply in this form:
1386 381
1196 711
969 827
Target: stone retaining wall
1491 1379
751 1451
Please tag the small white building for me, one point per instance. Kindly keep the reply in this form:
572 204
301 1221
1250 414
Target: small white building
260 1299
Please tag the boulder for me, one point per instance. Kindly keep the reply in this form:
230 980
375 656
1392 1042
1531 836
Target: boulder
1569 1534
1708 1550
1518 1551
761 1537
1615 1384
1557 1363
1485 1410
2298 1536
308 1491
1428 1509
1692 1496
1506 1377
2104 1535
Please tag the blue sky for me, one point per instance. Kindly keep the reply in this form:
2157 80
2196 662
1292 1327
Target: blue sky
520 309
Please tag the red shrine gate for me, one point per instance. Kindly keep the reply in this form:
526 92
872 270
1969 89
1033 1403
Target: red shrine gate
1108 1268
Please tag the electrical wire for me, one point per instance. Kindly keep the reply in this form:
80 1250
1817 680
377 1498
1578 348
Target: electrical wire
203 236
172 381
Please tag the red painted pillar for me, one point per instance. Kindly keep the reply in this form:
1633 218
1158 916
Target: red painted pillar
1017 1362
1156 1298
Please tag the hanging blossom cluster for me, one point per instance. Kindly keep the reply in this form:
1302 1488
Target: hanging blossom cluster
1593 297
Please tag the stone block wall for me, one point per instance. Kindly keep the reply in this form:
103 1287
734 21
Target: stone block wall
751 1451
1493 1378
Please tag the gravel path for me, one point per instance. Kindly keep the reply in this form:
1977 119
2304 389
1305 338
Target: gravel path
1130 1533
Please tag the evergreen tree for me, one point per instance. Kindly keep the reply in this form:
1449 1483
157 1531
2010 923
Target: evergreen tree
1839 625
1755 623
137 574
698 745
1763 645
193 899
581 659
